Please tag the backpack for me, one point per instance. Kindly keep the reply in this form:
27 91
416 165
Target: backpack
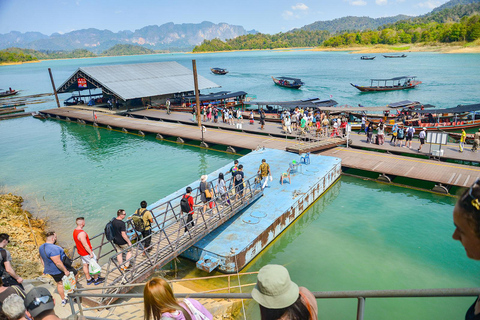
400 133
109 231
137 219
184 205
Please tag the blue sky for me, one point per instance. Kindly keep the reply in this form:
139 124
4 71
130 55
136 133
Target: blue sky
267 16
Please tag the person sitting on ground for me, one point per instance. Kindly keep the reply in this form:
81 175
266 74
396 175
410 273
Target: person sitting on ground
40 304
160 303
466 218
285 175
13 308
281 298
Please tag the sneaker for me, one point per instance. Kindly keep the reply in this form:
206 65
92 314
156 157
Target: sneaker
64 302
99 280
90 281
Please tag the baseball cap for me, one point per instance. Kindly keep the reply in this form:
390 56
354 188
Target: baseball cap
38 300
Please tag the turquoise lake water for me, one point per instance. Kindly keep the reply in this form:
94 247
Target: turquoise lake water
362 235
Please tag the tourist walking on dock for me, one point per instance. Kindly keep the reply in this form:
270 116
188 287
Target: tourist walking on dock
288 124
409 136
222 188
362 128
381 133
264 172
239 178
121 241
144 225
393 139
476 141
167 105
84 249
421 137
281 298
52 260
205 192
466 218
8 274
463 138
369 132
400 135
187 207
262 119
160 303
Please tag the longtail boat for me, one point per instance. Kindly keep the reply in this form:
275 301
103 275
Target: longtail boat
8 93
219 70
395 56
397 83
367 58
288 82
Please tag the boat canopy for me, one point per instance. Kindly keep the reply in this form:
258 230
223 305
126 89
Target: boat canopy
458 109
403 104
308 103
218 96
395 79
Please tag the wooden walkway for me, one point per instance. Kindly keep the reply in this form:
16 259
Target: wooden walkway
451 150
448 174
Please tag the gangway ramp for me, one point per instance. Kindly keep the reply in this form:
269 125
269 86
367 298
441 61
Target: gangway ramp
168 239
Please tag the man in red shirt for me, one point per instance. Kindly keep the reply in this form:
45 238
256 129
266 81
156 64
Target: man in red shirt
191 205
84 248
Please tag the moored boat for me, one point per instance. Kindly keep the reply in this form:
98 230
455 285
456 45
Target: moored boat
397 83
288 82
219 70
395 56
367 57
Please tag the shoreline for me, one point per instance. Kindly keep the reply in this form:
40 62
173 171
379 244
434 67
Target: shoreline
26 234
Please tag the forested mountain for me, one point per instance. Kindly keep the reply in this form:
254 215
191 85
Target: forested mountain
452 3
126 50
352 23
299 38
169 36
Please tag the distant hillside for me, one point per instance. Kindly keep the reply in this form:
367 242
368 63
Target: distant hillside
169 36
126 50
352 23
453 3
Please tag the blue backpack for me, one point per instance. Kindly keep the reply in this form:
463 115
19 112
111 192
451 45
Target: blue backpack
401 133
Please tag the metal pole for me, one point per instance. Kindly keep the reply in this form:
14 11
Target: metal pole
53 86
197 97
360 308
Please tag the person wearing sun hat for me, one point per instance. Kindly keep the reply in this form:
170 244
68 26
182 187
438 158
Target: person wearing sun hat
281 298
39 304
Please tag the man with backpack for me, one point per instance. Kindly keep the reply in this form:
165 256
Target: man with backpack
400 135
121 241
186 205
142 222
409 137
9 277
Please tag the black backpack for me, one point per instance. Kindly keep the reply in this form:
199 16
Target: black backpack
184 205
109 231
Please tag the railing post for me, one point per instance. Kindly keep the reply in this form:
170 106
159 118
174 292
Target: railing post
360 308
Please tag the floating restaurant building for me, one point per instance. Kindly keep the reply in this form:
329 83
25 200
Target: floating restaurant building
133 85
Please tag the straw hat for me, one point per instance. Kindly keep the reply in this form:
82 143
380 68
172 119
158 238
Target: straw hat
274 289
204 178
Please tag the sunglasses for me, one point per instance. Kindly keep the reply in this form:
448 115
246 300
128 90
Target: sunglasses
475 202
39 300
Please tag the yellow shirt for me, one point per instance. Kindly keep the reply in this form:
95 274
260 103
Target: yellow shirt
463 137
147 216
264 168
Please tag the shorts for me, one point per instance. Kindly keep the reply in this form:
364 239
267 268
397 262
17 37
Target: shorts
87 259
239 189
58 277
120 247
409 137
422 140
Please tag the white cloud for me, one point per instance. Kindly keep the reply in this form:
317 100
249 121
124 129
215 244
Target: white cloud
381 2
430 4
300 6
357 2
287 15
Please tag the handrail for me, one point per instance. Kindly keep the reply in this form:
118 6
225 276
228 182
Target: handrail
360 295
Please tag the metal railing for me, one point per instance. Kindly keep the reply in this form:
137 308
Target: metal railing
171 234
361 296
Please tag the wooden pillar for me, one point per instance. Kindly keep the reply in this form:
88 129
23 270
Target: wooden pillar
197 97
54 89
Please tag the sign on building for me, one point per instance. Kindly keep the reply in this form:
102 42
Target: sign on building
82 82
